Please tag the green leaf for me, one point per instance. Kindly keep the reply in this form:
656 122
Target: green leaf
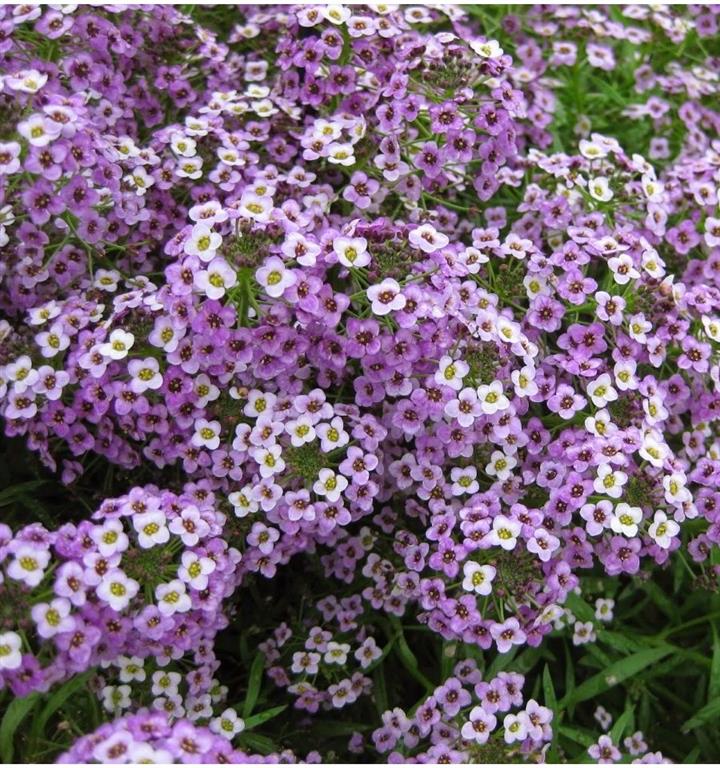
582 610
55 702
14 715
577 735
407 657
614 674
710 711
714 682
263 717
623 725
549 690
253 691
258 743
380 691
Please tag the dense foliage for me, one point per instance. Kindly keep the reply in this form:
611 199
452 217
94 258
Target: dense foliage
360 382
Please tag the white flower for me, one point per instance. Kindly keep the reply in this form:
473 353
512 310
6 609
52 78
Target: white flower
10 650
26 81
609 482
145 375
604 609
478 578
115 698
298 247
488 50
215 281
228 724
492 398
203 243
599 189
117 589
165 683
151 528
118 344
623 269
244 503
53 618
330 485
172 598
335 13
625 519
132 668
524 381
662 530
336 653
601 390
141 180
504 532
274 277
301 430
451 372
183 145
332 435
464 481
28 565
340 153
351 251
500 465
675 490
207 434
428 239
516 727
194 569
592 150
653 449
584 632
624 372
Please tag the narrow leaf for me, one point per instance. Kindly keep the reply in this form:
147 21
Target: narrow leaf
253 691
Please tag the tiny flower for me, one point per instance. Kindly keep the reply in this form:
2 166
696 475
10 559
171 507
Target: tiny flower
203 243
479 727
351 251
505 532
386 297
145 375
117 589
601 391
599 189
516 727
662 530
604 609
274 277
478 578
118 344
151 528
625 519
10 650
609 481
217 279
500 465
28 564
426 238
583 632
330 485
451 372
336 653
228 724
492 398
172 598
207 434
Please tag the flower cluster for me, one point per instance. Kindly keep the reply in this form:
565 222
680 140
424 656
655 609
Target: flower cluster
328 277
